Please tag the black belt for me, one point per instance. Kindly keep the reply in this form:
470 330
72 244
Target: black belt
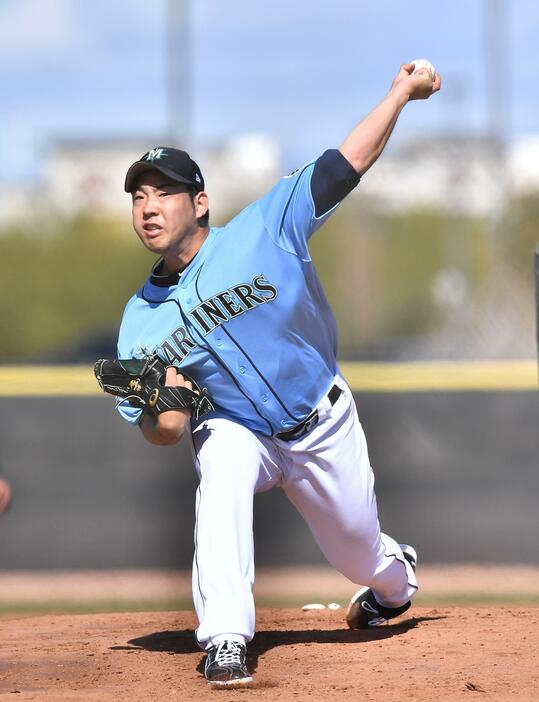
311 421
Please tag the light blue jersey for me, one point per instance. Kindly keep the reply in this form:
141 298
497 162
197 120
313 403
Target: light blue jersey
247 319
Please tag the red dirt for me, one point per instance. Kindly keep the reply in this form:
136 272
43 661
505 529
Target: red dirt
436 654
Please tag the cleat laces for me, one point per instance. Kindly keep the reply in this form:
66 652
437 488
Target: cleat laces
229 653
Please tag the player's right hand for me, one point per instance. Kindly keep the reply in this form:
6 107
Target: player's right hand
174 378
417 86
168 427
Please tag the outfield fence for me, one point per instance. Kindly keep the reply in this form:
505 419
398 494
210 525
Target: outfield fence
454 447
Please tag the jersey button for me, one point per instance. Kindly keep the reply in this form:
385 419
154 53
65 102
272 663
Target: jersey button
219 342
264 398
283 422
242 370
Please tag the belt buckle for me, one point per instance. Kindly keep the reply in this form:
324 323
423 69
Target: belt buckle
310 423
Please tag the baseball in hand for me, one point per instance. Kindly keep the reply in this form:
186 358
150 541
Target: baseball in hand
423 63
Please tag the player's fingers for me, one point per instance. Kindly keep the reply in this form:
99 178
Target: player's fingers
404 73
186 382
424 72
171 376
423 78
437 83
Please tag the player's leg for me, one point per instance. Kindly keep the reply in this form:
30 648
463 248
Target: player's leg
232 463
331 483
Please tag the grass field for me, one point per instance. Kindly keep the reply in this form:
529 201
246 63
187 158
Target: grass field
80 592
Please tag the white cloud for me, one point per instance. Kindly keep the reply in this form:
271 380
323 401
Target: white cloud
33 28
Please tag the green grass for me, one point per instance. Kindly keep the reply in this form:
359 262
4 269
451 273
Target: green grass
93 607
473 599
478 599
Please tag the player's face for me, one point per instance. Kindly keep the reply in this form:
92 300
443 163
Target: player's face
164 214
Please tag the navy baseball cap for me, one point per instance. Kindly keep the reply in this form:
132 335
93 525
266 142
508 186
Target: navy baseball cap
174 163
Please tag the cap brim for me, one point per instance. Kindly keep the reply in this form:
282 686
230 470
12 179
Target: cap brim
140 167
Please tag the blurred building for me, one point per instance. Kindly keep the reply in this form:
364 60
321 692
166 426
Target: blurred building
453 174
463 175
240 171
468 176
88 175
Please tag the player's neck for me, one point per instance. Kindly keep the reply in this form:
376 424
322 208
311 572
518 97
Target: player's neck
175 261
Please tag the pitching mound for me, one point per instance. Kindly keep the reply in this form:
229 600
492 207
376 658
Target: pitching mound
436 654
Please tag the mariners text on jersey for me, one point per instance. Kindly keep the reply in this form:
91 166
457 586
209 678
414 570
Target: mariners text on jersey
216 310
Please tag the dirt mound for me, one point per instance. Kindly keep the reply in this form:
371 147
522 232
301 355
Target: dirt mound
436 654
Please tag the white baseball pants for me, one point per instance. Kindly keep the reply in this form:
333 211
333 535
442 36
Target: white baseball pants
326 474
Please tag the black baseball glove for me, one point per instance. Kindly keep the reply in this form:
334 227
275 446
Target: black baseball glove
142 383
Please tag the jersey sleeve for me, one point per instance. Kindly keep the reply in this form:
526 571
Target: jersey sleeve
132 415
301 202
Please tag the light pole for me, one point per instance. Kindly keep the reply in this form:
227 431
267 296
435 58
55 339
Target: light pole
178 70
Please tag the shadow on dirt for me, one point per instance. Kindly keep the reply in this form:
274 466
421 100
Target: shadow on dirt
183 641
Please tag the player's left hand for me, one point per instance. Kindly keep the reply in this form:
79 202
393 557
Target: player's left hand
417 86
149 384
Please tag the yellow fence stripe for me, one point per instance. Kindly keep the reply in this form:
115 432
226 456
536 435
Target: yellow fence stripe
38 381
426 377
35 381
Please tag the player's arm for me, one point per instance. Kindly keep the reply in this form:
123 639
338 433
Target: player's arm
367 140
167 428
337 172
295 208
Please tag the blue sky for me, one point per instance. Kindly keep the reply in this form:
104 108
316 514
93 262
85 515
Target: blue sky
303 71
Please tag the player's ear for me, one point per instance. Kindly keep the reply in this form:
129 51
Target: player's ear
202 204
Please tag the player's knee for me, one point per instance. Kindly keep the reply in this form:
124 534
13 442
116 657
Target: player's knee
357 530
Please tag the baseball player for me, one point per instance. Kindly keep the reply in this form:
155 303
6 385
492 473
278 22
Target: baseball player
5 495
238 313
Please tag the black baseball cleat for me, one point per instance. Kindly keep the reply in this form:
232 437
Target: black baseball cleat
225 665
364 611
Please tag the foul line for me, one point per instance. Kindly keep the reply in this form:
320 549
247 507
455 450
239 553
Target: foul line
79 381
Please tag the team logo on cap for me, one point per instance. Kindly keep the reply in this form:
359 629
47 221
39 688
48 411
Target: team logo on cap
155 155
